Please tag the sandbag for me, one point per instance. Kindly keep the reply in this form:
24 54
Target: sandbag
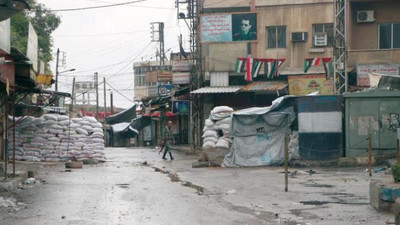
209 123
81 131
97 125
53 117
208 144
97 130
62 117
84 122
56 127
219 109
210 133
87 127
222 143
213 139
97 134
224 121
90 119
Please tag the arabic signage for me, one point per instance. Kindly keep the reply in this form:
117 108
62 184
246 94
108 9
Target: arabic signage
182 65
84 86
165 90
364 70
32 49
5 36
228 28
181 78
306 84
180 107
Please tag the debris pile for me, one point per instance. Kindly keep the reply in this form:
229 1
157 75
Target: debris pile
55 138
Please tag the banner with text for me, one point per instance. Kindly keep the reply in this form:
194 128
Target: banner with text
306 84
228 28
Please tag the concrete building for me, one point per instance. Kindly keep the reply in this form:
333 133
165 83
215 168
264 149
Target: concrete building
379 21
289 30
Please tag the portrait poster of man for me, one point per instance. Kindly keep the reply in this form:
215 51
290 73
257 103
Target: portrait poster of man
244 27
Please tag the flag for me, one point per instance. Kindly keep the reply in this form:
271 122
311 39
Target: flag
279 62
257 63
271 68
239 65
328 67
309 62
249 68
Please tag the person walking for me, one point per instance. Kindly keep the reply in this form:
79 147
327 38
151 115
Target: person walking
167 140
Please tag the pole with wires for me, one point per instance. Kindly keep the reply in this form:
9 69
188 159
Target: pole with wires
96 80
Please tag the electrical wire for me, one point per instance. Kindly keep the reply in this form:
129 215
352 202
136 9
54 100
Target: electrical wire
119 92
95 7
139 6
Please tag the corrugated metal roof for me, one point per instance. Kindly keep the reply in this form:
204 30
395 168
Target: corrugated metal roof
265 86
214 90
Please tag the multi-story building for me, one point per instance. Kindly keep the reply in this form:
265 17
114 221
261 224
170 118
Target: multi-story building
373 39
286 30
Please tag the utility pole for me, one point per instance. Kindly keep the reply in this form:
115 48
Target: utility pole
111 102
58 55
190 10
105 97
157 35
73 95
96 80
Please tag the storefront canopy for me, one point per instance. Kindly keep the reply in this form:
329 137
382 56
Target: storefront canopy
125 116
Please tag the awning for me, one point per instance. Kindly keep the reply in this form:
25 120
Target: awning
124 116
216 90
300 71
265 86
125 129
140 122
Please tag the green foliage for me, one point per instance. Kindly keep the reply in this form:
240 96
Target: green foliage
44 22
396 172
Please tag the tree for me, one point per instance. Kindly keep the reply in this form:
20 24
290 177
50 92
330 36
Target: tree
45 23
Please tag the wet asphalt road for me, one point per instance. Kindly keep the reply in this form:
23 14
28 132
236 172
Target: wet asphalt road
121 191
125 191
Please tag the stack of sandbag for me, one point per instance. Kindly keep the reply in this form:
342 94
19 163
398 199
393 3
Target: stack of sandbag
216 129
215 136
54 137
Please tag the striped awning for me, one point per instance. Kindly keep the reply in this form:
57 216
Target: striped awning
265 86
217 90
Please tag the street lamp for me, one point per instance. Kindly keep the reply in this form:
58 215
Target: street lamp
57 73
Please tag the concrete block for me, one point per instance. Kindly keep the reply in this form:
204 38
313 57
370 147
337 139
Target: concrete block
74 165
346 162
363 161
90 161
383 194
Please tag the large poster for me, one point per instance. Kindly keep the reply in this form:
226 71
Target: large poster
227 28
32 49
306 84
5 36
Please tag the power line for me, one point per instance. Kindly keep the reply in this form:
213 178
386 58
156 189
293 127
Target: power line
96 7
139 6
119 92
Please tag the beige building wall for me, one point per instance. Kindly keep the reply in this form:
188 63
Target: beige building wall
364 50
297 16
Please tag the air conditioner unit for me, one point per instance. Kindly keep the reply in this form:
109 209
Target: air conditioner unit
365 16
299 36
320 39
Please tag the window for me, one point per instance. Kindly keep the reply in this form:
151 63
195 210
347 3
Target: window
276 37
326 28
389 35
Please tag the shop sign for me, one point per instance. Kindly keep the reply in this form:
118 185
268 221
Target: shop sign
364 70
306 84
180 107
165 90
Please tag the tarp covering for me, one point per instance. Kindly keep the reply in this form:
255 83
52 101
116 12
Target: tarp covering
259 135
124 116
124 129
140 122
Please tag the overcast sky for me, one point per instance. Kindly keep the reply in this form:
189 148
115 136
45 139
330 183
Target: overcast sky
110 40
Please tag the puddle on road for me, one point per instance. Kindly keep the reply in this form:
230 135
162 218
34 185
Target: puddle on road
319 185
125 186
331 202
